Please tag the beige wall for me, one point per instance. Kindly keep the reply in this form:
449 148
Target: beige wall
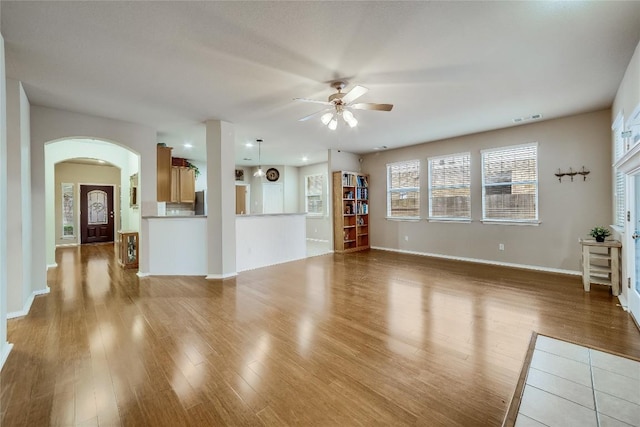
628 95
568 210
74 173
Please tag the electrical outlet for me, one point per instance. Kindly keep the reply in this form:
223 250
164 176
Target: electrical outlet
501 246
406 238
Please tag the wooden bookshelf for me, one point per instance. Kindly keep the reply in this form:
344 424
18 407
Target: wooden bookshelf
350 211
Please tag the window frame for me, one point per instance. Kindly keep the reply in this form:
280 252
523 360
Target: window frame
322 195
534 221
430 188
402 189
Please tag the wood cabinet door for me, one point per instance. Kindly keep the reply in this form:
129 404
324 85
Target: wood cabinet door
187 185
163 172
175 184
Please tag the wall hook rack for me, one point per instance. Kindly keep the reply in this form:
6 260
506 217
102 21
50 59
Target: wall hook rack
584 173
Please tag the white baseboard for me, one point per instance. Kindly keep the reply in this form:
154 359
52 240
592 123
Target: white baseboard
485 261
54 265
317 240
220 276
141 274
66 245
623 302
27 304
5 353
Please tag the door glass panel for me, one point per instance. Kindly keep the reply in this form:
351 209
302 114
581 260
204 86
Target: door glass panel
97 207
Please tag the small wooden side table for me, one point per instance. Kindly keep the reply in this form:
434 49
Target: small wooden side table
601 264
128 249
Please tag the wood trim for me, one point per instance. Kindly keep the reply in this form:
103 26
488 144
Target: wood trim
514 405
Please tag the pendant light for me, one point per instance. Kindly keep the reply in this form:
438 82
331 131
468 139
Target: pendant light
259 172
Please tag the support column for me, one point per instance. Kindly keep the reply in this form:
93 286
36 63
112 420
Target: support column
17 295
221 212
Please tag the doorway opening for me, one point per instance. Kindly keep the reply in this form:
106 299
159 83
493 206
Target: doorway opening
75 217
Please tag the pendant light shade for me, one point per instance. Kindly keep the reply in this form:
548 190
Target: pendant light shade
259 172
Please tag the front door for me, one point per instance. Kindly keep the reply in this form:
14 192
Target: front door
96 213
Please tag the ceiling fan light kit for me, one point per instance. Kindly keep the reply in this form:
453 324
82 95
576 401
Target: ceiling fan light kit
339 105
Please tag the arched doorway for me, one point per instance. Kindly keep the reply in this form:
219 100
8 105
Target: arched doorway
127 215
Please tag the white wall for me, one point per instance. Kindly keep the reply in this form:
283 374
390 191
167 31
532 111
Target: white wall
18 236
288 179
568 210
318 227
201 180
343 161
626 100
5 347
50 124
291 182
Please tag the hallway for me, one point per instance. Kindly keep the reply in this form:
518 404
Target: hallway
363 339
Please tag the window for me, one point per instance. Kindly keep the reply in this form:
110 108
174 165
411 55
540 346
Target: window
314 186
403 189
450 187
510 183
620 180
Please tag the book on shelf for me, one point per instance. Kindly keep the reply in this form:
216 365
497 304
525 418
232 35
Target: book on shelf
363 193
348 180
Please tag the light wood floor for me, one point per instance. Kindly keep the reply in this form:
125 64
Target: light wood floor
371 338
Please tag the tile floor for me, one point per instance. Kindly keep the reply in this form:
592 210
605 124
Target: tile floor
569 385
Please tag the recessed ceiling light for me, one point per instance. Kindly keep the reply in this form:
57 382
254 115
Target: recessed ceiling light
304 159
248 144
187 145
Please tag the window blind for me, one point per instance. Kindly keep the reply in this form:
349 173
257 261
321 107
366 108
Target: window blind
619 198
403 189
313 194
450 187
620 182
510 183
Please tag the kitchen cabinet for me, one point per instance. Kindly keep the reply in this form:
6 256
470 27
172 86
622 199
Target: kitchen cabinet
183 185
163 171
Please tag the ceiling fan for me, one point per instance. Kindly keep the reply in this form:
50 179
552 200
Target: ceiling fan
340 105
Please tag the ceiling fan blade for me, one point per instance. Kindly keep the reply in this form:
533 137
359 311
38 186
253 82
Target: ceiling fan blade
354 93
310 116
370 106
314 101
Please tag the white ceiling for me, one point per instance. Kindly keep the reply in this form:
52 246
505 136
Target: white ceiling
450 68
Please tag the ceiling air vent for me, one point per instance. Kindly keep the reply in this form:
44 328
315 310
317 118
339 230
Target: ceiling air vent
528 118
